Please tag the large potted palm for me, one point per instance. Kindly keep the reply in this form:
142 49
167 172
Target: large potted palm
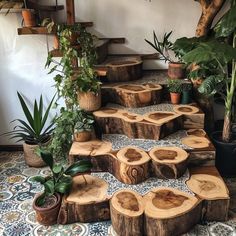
216 58
33 130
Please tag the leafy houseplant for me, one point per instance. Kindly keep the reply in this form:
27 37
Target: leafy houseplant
83 127
164 47
175 89
33 131
217 58
47 204
186 93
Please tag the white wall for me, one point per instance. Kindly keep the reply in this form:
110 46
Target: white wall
22 58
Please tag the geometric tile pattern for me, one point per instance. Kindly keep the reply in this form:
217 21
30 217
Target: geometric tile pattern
17 217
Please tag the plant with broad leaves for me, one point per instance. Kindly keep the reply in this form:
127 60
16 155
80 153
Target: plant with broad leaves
33 130
85 122
60 180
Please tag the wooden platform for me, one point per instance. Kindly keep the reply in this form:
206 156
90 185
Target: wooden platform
150 210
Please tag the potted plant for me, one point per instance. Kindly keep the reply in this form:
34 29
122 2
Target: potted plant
186 93
176 69
28 16
83 127
33 131
175 89
59 182
218 57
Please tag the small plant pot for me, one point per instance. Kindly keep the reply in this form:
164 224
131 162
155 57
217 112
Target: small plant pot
186 97
175 98
47 215
176 70
83 136
56 42
89 101
28 18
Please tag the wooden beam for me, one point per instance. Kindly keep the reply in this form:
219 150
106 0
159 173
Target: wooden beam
153 56
70 10
34 5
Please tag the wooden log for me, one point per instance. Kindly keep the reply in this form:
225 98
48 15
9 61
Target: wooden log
87 202
132 95
196 132
185 109
127 209
215 194
132 166
196 142
170 212
169 162
123 68
155 125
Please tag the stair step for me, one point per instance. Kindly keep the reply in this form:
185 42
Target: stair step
31 4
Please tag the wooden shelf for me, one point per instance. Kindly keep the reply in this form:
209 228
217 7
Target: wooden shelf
34 5
6 11
153 56
43 30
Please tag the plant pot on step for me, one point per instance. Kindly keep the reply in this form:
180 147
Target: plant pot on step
176 70
175 98
48 213
83 136
28 18
225 154
89 101
31 158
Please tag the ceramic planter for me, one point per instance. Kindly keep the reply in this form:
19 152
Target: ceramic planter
225 155
186 97
176 70
175 98
48 215
83 136
29 18
89 101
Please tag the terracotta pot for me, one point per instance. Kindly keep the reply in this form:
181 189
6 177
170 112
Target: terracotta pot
175 98
31 158
176 70
56 42
83 136
89 101
29 18
47 215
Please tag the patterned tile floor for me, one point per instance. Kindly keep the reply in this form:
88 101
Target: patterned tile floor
17 216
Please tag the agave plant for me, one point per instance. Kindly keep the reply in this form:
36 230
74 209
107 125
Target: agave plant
33 130
60 180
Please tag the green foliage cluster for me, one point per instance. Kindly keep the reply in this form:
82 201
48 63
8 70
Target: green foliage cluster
32 130
84 122
60 180
174 86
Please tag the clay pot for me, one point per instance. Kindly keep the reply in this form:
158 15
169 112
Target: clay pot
176 70
175 98
48 215
29 18
31 158
89 101
56 42
83 136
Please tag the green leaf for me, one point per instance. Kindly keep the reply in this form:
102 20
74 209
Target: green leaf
63 187
227 24
79 167
37 121
47 158
57 169
38 179
49 187
41 200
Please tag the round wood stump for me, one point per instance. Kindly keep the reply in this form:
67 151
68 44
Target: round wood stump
185 109
196 132
193 141
133 165
169 162
127 209
170 212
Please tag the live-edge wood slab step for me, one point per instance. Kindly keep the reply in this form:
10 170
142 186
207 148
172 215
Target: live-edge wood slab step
154 125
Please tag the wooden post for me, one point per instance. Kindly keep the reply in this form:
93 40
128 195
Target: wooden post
70 11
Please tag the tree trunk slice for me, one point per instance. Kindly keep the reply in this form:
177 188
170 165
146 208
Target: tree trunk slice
132 95
166 209
195 142
127 209
155 125
121 69
87 202
169 162
215 194
196 132
185 109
